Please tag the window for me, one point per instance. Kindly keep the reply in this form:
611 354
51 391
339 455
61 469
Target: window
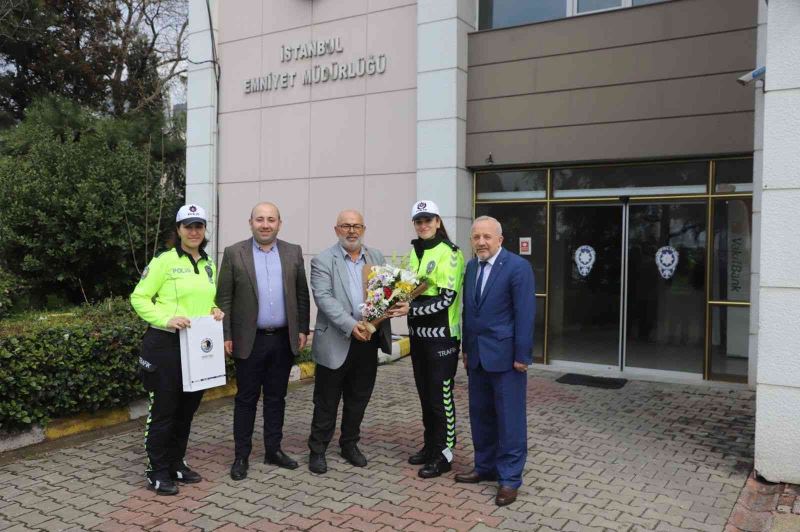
505 13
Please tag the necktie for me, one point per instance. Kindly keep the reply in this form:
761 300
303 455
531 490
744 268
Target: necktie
479 288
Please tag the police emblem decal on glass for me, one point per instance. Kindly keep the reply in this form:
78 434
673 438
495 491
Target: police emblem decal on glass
584 259
667 261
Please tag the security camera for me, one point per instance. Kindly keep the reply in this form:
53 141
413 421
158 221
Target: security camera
754 75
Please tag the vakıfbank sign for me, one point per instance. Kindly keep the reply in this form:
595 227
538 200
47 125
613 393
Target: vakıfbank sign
335 71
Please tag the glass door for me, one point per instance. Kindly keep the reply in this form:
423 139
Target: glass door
585 283
666 272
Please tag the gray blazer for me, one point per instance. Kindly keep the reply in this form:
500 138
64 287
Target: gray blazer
334 327
237 294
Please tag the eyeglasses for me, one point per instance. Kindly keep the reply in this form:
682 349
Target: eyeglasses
351 227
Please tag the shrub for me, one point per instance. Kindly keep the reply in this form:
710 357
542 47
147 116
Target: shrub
63 364
10 289
84 208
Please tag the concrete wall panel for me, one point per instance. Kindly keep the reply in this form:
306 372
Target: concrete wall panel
281 15
777 433
326 10
337 137
291 197
240 19
391 132
235 203
353 34
285 141
672 137
658 22
710 95
394 33
241 60
327 197
387 211
239 149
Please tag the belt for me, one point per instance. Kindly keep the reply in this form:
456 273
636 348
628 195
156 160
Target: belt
273 330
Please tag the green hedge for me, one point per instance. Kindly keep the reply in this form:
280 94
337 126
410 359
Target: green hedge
64 364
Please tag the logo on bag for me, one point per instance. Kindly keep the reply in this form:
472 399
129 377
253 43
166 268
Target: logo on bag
206 345
667 261
584 259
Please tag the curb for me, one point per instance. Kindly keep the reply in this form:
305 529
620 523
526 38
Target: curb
60 428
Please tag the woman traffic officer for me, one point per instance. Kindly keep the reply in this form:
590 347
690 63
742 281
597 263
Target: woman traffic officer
434 325
177 285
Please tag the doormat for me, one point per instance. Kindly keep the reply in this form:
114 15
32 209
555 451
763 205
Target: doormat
588 380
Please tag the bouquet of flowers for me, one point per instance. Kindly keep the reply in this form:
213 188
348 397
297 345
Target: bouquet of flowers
385 286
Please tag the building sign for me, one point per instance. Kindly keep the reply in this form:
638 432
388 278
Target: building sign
334 71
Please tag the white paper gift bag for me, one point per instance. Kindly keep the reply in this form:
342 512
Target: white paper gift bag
202 354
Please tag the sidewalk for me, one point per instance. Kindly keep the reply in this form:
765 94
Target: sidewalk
646 457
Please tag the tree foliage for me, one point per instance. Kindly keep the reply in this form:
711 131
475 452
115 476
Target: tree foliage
115 56
85 204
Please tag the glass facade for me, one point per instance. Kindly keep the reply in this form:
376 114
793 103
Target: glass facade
505 13
627 275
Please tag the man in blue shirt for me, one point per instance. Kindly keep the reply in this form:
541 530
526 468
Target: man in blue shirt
263 289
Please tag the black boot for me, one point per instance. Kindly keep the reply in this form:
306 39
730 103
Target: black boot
420 457
317 463
162 487
435 468
182 473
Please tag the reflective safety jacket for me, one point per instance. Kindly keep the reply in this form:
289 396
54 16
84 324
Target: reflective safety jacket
437 312
173 284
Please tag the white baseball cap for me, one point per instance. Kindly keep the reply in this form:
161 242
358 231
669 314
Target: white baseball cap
424 208
191 213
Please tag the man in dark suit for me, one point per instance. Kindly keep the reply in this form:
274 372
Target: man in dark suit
264 294
497 345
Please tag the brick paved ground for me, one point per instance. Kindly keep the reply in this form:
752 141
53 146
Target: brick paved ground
646 457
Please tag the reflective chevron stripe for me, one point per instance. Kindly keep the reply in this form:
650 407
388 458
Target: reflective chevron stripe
433 306
429 332
449 412
150 399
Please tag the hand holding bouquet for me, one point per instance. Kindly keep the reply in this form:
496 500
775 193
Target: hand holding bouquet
385 287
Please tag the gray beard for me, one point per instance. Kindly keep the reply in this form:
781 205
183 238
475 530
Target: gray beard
348 246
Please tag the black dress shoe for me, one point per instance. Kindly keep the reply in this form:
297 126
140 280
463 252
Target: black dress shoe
354 456
280 459
239 469
473 477
419 458
317 463
435 468
182 473
162 487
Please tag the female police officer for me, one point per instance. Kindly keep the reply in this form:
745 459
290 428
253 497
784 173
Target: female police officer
434 325
176 285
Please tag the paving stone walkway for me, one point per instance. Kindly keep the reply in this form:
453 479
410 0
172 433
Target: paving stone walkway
645 457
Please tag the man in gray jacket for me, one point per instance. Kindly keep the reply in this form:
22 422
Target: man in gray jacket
345 352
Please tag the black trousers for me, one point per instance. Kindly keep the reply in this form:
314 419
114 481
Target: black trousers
169 421
353 382
435 362
267 368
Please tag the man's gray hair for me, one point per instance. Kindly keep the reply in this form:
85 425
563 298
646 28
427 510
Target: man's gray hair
490 219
